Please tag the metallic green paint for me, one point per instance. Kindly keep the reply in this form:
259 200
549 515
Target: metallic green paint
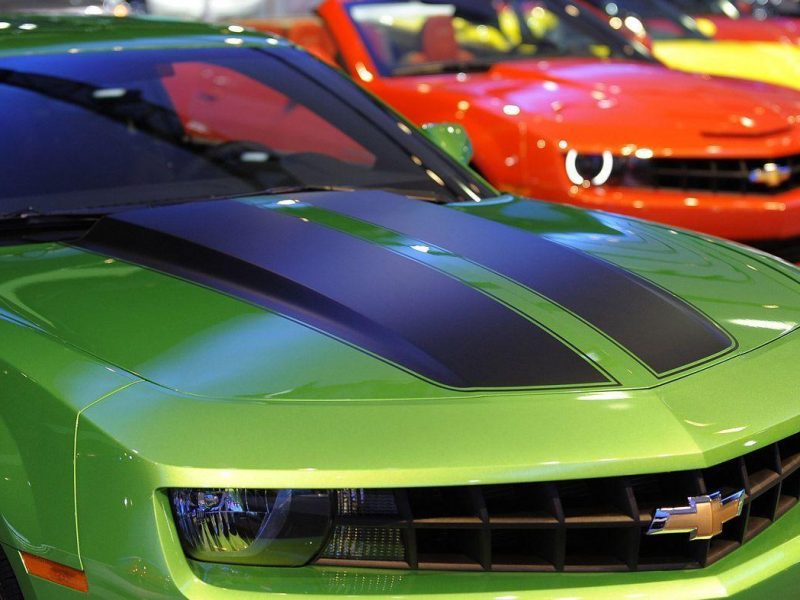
452 138
214 345
231 394
119 382
59 34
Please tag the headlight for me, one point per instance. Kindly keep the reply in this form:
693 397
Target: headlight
256 527
594 169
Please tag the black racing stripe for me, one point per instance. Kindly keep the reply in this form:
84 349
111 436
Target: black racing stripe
367 295
661 330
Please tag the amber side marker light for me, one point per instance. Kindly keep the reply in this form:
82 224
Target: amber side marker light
55 572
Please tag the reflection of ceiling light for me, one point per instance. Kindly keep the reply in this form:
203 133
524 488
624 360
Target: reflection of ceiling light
511 110
107 93
363 72
730 10
254 157
764 324
643 153
421 248
234 41
28 26
235 28
435 177
732 430
93 10
634 24
4 25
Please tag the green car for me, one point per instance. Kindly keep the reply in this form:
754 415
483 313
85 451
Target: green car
261 338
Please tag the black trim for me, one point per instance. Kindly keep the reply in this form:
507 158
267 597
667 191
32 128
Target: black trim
659 329
360 292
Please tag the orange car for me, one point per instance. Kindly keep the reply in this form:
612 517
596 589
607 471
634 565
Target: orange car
560 107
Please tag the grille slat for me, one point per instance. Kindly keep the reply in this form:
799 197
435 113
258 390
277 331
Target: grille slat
581 525
716 175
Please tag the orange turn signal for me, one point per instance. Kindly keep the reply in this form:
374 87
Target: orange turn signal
55 572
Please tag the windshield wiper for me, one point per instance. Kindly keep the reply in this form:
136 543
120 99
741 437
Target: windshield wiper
288 189
30 213
32 226
28 218
470 66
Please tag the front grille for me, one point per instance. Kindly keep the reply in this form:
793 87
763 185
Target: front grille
582 525
722 175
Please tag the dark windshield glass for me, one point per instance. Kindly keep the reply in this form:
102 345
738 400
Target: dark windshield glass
655 18
761 10
103 129
415 37
709 7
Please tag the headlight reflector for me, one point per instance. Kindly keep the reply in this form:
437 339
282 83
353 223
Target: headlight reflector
249 526
583 169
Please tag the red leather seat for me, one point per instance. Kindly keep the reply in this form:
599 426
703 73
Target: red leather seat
438 43
315 38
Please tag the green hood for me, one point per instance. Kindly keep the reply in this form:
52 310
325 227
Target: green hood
177 332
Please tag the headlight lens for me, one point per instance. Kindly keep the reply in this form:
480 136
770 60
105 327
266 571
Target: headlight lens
256 527
584 169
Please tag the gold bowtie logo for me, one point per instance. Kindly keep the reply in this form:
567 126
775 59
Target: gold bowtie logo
703 518
771 175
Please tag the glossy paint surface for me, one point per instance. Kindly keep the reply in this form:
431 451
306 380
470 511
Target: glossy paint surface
84 296
771 62
523 117
751 29
278 393
120 381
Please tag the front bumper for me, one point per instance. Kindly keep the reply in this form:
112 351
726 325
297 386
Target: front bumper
768 566
732 216
128 541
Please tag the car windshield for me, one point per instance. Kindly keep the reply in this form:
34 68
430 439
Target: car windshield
762 10
98 130
721 8
654 18
410 38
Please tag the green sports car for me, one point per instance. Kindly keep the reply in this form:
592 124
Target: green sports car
261 338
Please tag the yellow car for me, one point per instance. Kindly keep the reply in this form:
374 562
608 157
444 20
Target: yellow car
685 43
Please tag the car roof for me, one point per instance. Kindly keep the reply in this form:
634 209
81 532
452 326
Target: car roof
38 34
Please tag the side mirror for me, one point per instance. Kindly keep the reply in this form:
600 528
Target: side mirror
451 138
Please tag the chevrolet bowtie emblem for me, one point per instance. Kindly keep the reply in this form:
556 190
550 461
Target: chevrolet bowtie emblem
703 518
770 175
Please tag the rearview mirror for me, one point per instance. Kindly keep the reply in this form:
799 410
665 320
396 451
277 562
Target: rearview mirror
451 138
